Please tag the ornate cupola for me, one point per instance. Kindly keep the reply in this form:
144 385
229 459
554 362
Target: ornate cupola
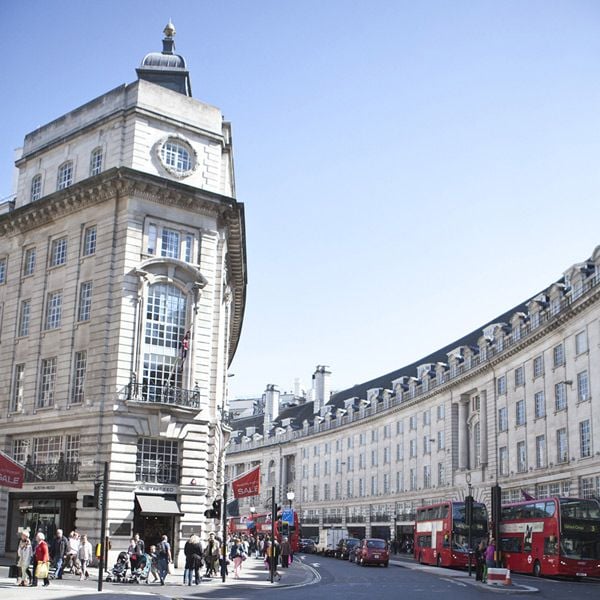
166 68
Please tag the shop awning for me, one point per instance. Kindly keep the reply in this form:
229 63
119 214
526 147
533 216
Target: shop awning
157 505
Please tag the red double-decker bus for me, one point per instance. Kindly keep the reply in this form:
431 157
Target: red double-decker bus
260 524
442 535
552 536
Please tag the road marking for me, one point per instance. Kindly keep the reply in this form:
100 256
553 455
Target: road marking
454 581
315 565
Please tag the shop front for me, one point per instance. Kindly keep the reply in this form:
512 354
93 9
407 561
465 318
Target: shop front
155 516
39 511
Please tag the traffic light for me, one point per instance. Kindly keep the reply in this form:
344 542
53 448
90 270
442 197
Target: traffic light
215 511
98 492
469 510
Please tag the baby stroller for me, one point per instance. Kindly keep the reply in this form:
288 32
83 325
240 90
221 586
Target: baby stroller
119 571
142 571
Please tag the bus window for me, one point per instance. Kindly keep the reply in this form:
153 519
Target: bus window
550 545
424 541
444 514
511 544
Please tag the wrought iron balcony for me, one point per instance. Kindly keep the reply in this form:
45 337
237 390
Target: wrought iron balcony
160 473
59 471
163 394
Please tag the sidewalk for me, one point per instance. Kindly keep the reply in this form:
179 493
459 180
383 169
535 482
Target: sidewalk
407 562
253 575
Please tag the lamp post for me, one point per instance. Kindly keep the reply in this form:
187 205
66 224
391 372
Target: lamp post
290 497
469 519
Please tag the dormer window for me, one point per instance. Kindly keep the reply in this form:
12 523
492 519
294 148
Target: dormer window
65 175
96 160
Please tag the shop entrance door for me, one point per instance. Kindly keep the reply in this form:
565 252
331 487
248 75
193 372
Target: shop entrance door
152 527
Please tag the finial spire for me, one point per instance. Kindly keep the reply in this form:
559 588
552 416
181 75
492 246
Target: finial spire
168 41
169 29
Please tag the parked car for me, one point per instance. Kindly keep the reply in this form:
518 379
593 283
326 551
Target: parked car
372 551
345 547
307 545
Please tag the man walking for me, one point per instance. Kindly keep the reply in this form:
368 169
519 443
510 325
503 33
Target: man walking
58 550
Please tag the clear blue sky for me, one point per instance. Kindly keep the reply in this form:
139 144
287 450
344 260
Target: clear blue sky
410 169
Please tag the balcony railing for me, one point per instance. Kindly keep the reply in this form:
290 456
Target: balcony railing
59 471
161 473
163 394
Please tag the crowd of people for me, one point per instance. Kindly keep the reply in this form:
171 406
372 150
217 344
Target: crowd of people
36 558
41 559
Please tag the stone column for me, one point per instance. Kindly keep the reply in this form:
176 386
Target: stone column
483 426
463 432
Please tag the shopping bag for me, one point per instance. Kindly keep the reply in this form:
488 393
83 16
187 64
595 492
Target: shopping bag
41 570
14 572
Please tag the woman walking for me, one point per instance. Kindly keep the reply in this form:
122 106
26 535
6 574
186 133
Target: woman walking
42 560
193 560
24 553
86 555
236 554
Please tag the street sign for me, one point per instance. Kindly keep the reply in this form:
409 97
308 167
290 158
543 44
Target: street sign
287 516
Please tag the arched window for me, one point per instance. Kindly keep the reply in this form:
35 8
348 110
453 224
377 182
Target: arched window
36 188
96 160
165 329
65 175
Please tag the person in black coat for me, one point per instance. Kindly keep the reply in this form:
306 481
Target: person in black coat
193 560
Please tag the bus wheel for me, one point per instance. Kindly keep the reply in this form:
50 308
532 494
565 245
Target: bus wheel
537 569
439 560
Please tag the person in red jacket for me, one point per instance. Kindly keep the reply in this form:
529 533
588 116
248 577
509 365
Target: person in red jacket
41 556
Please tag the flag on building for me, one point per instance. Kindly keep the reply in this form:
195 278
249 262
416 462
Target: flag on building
233 508
247 484
526 495
12 473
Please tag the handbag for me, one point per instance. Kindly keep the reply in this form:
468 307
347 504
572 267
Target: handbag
41 570
14 572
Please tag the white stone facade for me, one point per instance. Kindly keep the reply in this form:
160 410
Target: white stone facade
128 258
516 406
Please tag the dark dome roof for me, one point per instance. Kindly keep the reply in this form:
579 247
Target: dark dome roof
163 61
166 68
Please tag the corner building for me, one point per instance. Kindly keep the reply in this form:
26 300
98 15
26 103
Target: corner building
122 293
511 402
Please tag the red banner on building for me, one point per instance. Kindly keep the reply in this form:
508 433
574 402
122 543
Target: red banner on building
11 473
247 485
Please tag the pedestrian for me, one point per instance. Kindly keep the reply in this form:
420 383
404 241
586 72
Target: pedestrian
58 551
153 563
480 561
193 560
286 553
42 560
136 550
72 558
24 555
86 555
164 558
271 558
211 555
236 554
490 557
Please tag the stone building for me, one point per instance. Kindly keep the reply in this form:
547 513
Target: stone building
122 293
511 402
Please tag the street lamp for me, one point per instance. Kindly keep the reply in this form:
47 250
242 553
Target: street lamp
290 497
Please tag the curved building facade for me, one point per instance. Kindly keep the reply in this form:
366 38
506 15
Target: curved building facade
510 403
